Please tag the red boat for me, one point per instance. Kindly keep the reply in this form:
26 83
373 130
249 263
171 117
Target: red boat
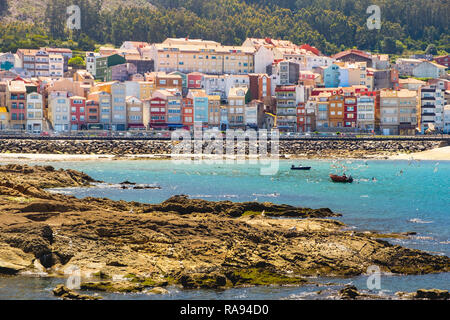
342 179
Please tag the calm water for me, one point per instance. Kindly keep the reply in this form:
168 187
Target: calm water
405 196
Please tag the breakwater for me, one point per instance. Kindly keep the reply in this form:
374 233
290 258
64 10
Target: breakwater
313 148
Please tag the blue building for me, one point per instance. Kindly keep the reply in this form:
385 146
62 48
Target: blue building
334 76
201 105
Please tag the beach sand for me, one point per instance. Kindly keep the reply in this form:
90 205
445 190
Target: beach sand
440 154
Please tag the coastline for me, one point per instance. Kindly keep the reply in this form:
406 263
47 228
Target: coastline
220 245
437 154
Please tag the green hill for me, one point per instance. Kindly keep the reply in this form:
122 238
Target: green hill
330 25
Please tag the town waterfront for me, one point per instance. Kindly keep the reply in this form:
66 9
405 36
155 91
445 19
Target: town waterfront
387 196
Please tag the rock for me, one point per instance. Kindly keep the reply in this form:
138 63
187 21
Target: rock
67 294
14 260
190 242
349 293
432 294
158 290
112 286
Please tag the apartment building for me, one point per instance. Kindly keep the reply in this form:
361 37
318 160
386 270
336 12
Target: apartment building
350 111
406 66
288 98
16 99
35 113
366 107
173 99
187 113
447 119
91 62
432 103
157 110
103 100
214 111
135 113
118 107
398 112
56 66
196 55
336 111
92 115
201 104
322 106
260 86
59 110
78 113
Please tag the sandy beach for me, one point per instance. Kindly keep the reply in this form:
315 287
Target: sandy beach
439 154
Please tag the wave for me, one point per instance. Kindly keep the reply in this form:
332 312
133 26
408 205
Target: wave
417 220
269 195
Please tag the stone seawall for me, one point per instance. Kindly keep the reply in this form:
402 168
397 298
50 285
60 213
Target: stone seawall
307 149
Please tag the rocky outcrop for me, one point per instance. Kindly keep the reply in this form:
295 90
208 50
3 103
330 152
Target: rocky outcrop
425 294
183 205
188 242
306 148
65 293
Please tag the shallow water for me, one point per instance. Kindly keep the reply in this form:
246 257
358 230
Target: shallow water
411 196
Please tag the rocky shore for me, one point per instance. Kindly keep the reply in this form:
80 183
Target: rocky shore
128 246
303 149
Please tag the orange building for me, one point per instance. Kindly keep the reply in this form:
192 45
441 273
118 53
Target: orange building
336 111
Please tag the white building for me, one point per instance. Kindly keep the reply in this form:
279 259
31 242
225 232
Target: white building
366 112
428 69
432 104
447 119
56 65
118 107
35 113
91 60
59 110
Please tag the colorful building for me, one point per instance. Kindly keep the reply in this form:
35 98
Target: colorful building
77 113
35 113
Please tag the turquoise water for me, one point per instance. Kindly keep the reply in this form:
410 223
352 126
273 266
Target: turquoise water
411 196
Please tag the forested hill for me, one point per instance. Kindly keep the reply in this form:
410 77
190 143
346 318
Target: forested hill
330 25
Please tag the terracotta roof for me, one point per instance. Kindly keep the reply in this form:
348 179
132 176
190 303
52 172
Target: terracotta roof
351 51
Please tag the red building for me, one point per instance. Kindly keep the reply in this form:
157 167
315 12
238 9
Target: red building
194 80
350 111
187 113
301 117
443 60
260 86
78 113
158 116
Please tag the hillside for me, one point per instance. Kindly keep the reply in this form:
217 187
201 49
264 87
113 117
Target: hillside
330 25
34 10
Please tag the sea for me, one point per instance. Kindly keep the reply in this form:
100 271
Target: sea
386 196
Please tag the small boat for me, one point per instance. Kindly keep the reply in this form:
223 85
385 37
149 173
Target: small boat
300 168
342 179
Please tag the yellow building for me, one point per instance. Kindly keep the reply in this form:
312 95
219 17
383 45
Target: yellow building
147 88
214 111
4 118
195 55
103 86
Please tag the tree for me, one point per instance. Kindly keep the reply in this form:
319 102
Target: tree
77 62
85 43
431 49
